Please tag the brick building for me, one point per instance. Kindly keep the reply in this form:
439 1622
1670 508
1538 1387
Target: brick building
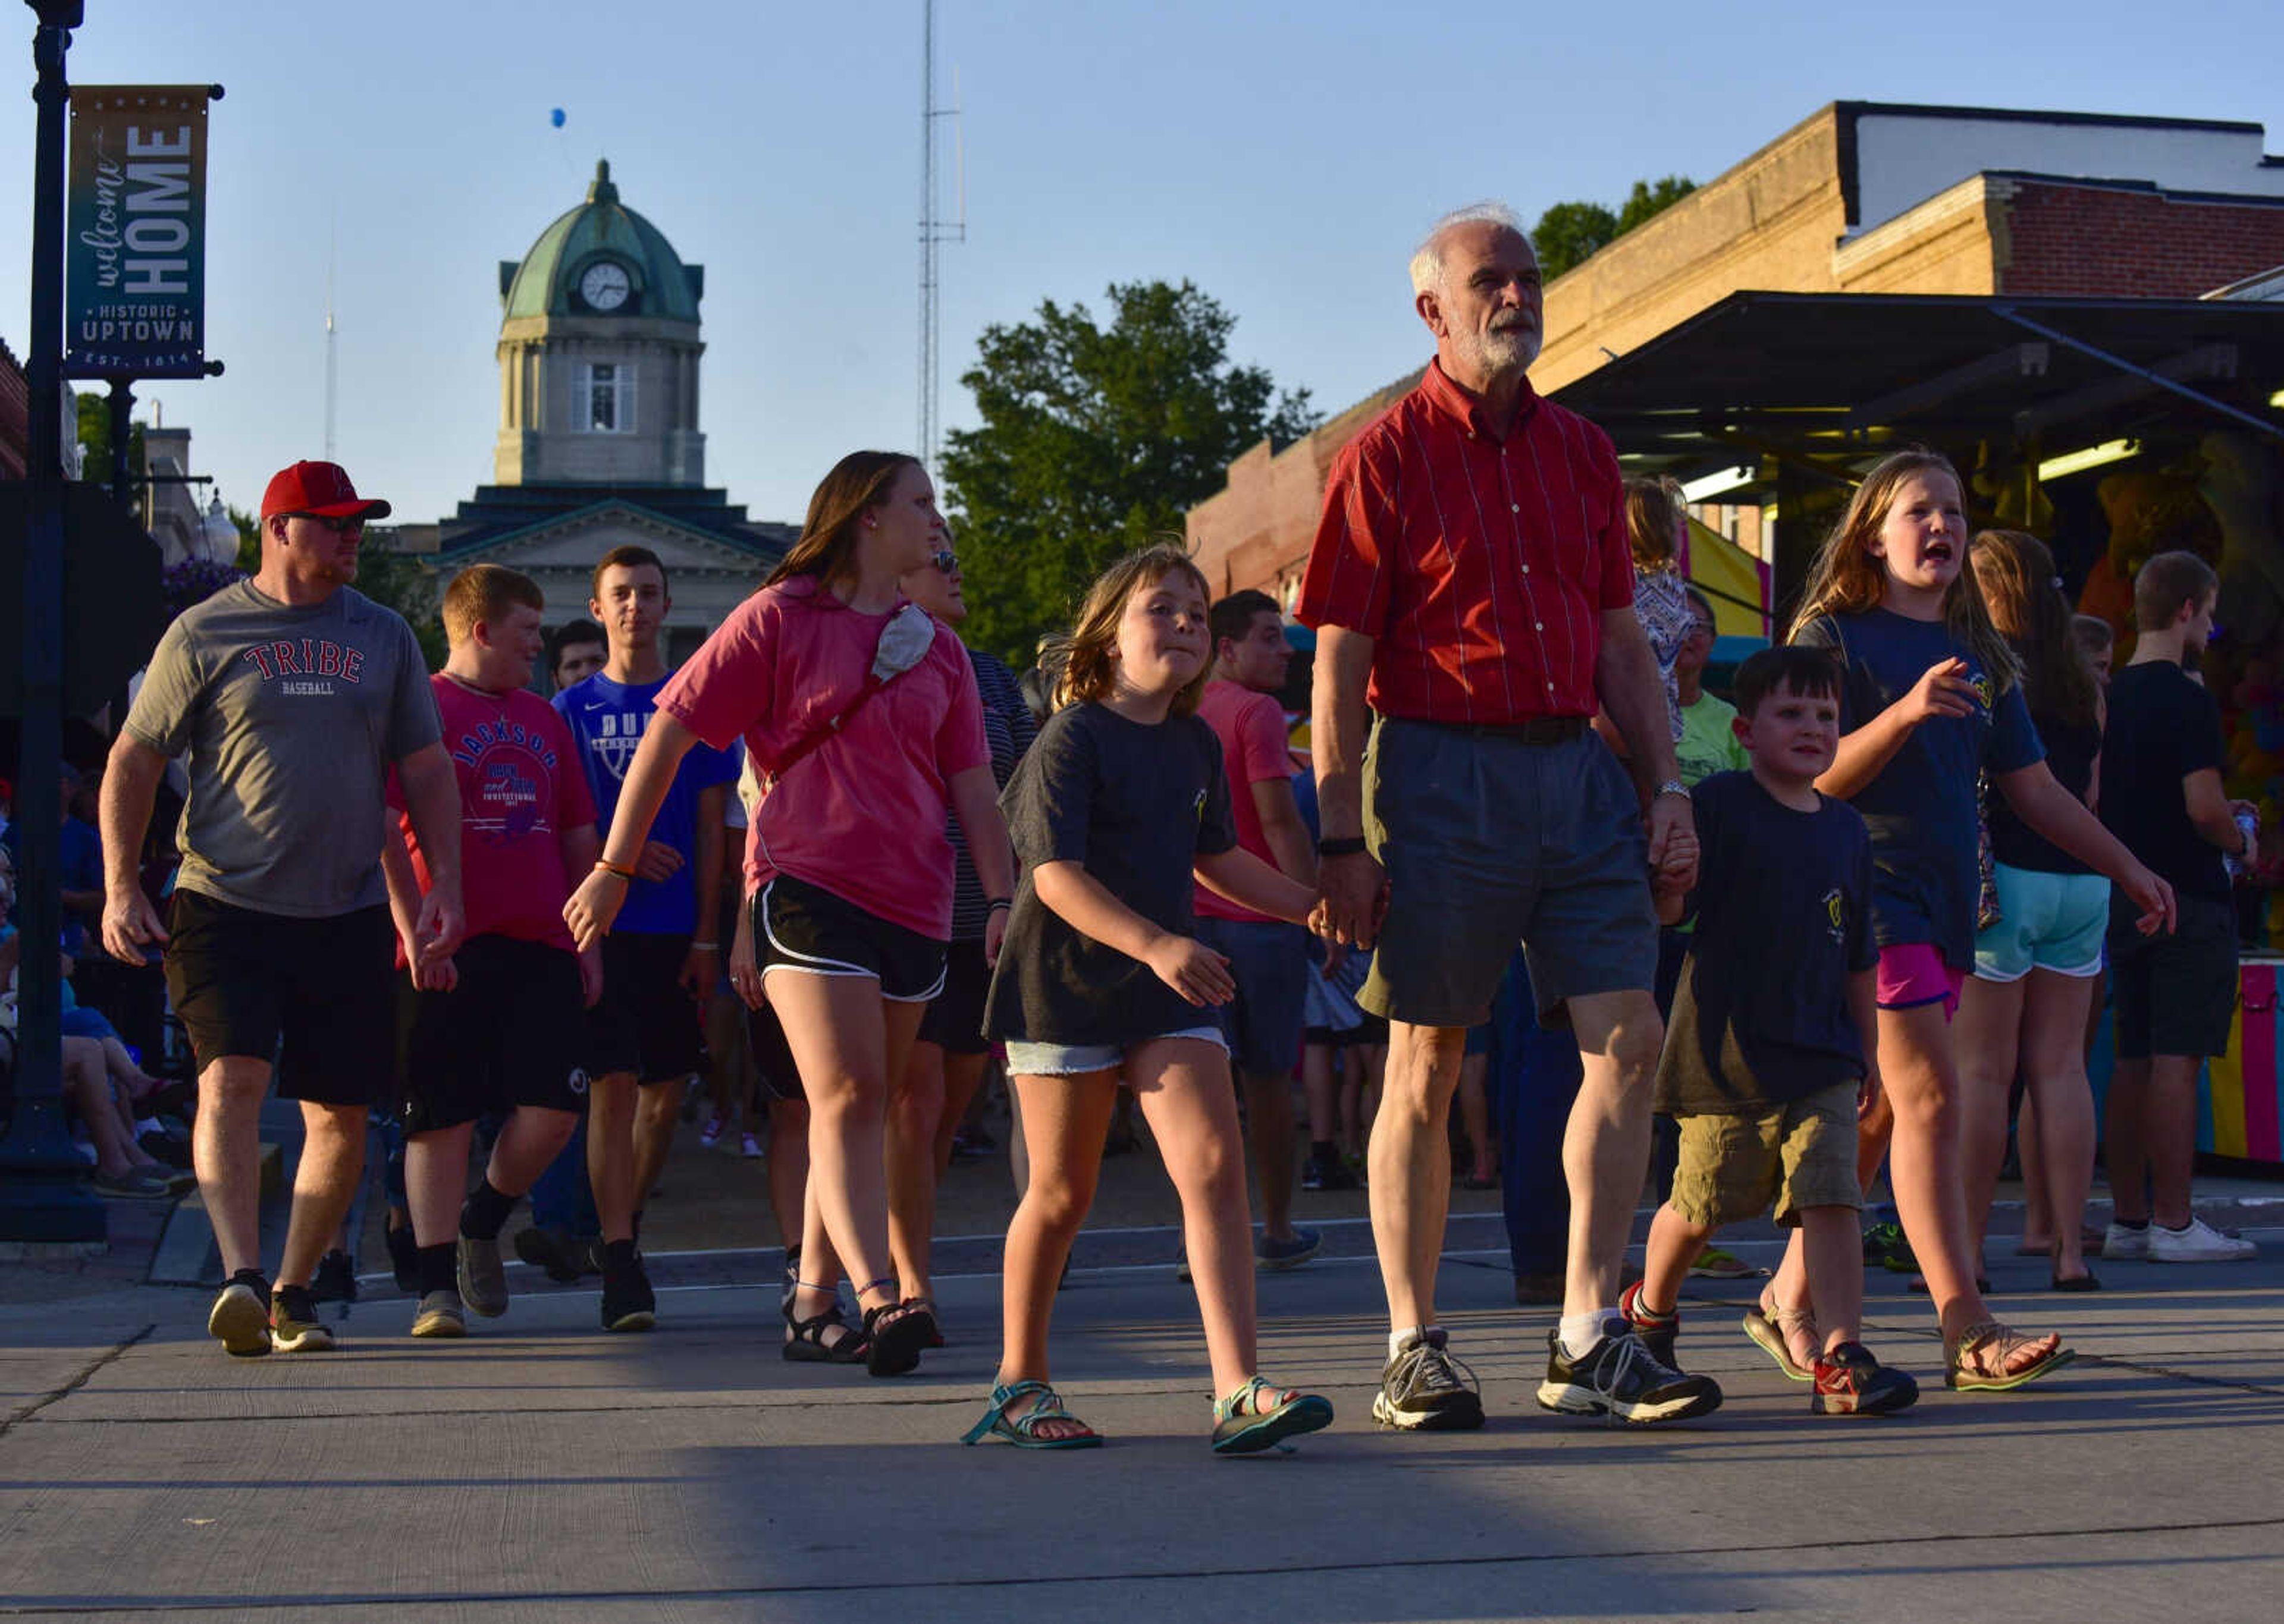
1858 198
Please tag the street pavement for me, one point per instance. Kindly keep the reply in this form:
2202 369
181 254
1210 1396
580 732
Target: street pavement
543 1469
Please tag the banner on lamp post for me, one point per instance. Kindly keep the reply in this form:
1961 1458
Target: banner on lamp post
136 300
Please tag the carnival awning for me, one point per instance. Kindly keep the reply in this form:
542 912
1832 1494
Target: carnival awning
1845 376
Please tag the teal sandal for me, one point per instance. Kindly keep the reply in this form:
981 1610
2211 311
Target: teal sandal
1023 1431
1243 1426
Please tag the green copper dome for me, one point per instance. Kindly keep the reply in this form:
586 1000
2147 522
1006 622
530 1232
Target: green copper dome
554 277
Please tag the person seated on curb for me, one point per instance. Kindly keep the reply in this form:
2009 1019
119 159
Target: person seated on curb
500 1025
1775 1029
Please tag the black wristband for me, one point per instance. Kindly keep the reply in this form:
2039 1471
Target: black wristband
1348 845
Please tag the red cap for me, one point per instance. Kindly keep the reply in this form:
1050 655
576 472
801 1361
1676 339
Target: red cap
322 488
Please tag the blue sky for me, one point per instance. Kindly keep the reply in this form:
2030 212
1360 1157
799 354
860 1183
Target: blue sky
1284 156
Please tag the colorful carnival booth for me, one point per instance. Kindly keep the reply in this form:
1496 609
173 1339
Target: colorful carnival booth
2113 428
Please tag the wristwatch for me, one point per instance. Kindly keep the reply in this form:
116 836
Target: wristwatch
1672 786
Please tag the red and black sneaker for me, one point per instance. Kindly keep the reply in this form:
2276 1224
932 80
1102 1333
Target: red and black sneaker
1657 1331
1851 1382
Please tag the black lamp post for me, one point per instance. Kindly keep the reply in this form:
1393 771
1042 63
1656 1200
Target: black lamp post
42 1196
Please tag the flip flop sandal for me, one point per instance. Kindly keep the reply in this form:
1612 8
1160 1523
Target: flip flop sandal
1023 1431
2005 1340
926 1306
1242 1426
1768 1328
894 1336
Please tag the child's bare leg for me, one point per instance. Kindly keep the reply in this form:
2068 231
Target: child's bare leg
1184 1089
1833 1249
1064 1119
1789 1292
1674 1244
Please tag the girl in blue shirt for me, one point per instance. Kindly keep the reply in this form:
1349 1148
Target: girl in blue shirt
1930 697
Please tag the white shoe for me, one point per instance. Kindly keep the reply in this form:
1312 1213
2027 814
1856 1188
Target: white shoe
2121 1244
2200 1242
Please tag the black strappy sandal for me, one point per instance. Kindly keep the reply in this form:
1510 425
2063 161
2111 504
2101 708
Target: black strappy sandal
807 1344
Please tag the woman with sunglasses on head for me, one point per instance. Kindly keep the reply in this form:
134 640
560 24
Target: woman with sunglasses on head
949 1060
860 715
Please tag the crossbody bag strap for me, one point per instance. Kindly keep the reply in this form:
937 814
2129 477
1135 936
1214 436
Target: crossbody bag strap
818 735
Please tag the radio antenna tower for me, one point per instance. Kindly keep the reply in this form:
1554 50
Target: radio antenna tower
934 229
331 236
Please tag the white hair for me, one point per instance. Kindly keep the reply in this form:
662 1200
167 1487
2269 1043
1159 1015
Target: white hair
1428 259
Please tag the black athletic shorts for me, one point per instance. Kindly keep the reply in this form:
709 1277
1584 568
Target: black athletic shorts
512 1033
645 1022
245 983
805 929
772 1055
954 1021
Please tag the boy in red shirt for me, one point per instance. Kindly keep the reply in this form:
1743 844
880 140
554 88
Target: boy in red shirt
501 1025
1268 958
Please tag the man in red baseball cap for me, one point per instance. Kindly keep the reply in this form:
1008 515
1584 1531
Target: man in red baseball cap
290 696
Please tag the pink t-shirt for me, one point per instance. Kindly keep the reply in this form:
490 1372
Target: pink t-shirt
521 787
861 815
1251 727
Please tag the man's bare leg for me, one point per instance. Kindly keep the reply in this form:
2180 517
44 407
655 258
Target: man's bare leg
332 1161
611 1153
1605 1148
657 1107
1411 1166
226 1151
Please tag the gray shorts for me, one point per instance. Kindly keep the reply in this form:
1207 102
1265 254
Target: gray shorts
1489 841
1270 960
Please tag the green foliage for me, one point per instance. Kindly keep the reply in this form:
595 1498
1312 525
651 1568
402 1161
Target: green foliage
1652 197
1568 234
406 584
1093 440
249 539
95 441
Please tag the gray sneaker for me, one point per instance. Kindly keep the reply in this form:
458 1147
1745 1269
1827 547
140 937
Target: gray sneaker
440 1315
483 1278
1423 1390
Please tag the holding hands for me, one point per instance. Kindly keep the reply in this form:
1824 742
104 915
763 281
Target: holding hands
1191 968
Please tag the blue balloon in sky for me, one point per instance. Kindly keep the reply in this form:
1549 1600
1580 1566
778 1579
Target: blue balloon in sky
555 117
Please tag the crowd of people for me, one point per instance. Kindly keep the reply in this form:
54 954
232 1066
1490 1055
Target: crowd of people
1763 921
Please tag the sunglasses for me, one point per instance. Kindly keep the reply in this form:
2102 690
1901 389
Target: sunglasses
947 561
348 525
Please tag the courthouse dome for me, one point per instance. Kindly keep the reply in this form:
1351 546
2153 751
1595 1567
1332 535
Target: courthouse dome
602 259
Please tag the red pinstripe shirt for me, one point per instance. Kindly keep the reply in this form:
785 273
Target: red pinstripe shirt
1480 566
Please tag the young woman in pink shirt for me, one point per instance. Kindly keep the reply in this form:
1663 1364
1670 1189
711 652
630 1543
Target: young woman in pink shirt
860 713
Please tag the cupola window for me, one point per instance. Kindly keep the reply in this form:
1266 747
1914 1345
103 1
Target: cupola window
609 389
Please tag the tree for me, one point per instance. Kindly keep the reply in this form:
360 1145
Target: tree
400 581
1569 234
249 539
1652 197
1094 439
95 441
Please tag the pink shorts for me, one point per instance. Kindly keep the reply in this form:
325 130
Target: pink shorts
1912 973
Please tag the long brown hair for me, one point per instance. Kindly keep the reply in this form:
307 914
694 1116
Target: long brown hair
2016 575
1654 513
1848 578
1081 667
827 547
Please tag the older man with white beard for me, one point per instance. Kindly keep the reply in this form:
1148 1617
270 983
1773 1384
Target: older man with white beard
1472 584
